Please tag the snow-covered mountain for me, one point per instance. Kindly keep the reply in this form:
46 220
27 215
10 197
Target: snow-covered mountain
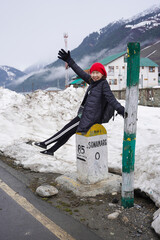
144 28
153 52
150 10
148 20
112 39
9 75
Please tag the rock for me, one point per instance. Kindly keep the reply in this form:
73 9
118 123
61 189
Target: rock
156 223
111 233
46 191
119 211
92 200
139 231
137 206
113 216
125 219
115 200
114 193
111 205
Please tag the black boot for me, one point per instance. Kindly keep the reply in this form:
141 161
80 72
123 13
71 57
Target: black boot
47 152
40 144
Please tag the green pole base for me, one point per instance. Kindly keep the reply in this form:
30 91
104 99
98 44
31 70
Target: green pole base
127 202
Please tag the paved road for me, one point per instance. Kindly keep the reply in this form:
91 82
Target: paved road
25 216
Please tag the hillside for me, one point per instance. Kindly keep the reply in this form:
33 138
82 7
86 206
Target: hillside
152 52
144 28
9 75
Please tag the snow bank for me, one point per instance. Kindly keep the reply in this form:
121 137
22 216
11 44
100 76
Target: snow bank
39 115
156 223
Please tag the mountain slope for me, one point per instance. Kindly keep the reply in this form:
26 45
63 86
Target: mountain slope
143 28
9 75
114 37
152 52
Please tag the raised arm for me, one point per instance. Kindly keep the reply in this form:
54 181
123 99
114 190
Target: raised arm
66 57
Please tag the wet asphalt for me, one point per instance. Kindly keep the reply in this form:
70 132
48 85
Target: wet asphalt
17 223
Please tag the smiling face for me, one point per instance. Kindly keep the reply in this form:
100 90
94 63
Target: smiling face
95 75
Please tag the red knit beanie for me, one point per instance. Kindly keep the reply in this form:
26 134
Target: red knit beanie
98 67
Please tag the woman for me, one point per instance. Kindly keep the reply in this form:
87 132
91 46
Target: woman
91 110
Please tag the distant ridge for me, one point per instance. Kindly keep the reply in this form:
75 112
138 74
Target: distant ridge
9 74
112 39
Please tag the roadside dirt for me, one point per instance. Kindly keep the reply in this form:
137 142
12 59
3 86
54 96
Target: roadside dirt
132 223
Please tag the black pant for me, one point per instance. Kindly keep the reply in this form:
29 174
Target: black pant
63 135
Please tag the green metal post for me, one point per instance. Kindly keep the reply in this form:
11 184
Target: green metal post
130 124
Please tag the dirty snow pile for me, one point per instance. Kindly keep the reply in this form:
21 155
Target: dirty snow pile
39 115
36 117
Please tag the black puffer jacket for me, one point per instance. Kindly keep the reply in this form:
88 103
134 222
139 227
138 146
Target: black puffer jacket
96 97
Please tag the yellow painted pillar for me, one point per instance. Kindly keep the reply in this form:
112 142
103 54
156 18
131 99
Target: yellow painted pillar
92 155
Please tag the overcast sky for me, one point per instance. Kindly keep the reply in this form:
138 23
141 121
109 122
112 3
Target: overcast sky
31 31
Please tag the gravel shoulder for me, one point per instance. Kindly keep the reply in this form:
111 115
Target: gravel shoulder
133 223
